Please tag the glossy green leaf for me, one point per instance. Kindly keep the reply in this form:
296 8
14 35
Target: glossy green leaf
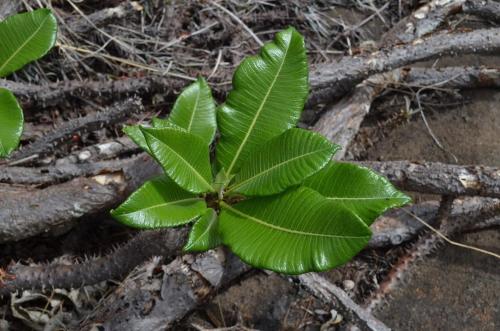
25 38
284 161
221 181
194 111
134 132
183 156
294 232
11 122
161 123
205 234
269 92
159 203
359 189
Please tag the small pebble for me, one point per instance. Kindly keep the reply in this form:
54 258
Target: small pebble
321 312
85 155
348 284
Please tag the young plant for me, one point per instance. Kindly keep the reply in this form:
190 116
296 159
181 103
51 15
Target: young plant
272 194
23 38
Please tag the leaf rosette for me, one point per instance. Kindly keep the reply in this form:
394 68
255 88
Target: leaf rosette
271 193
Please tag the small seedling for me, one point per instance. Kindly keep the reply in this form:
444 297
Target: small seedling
23 38
272 193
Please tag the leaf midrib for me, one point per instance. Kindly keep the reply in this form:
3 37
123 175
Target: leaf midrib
261 107
207 185
24 43
230 189
194 108
211 223
161 205
279 228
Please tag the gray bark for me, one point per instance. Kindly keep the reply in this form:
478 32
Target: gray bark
116 113
440 178
330 81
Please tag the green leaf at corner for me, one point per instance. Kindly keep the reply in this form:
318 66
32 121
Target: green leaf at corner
25 38
294 232
11 122
134 132
194 111
183 156
359 189
269 92
159 203
282 162
204 235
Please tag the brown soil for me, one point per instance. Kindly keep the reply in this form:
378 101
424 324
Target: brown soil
456 289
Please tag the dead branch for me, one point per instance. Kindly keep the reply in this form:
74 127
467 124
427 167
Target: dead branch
397 227
332 80
464 213
328 292
440 178
26 213
424 20
81 26
60 173
116 113
42 96
55 209
328 81
187 282
145 245
487 9
102 151
341 121
81 163
448 77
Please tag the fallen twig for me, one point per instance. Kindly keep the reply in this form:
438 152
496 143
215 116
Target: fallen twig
51 175
187 282
331 81
463 214
487 9
423 21
80 25
26 213
42 96
328 292
440 178
114 114
145 245
341 122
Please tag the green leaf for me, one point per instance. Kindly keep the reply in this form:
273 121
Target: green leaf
282 162
11 122
159 203
204 235
269 92
183 156
25 38
359 189
160 123
134 132
221 181
194 111
294 232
